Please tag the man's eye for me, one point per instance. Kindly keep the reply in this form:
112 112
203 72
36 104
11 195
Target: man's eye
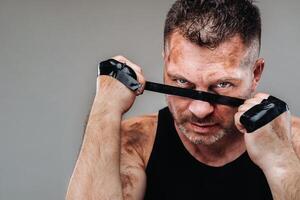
181 81
223 85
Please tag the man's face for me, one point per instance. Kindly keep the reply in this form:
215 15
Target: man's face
217 71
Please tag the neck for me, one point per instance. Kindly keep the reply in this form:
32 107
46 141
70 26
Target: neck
229 148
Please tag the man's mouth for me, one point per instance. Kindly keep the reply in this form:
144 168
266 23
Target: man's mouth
203 127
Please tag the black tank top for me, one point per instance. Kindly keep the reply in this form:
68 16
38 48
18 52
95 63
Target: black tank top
173 173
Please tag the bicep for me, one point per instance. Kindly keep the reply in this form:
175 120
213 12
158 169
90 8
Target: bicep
132 171
137 137
133 182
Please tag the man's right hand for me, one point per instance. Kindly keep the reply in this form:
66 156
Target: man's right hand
113 94
97 171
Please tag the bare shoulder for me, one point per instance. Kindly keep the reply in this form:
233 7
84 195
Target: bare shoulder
296 122
137 136
296 134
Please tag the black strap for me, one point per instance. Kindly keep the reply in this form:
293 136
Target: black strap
263 113
256 117
194 94
119 71
127 76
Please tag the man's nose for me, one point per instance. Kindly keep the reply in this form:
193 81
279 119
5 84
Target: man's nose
200 109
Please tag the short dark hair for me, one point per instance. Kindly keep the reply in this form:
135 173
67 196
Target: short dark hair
208 23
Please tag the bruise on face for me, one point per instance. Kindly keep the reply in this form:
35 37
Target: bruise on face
204 68
174 52
228 53
193 61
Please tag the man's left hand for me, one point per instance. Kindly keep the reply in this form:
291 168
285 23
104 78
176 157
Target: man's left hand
270 145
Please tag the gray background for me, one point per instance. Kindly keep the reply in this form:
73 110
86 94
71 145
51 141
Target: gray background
49 50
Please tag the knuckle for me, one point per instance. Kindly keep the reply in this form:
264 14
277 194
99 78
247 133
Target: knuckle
258 95
139 69
261 95
243 108
119 58
141 79
253 101
237 117
249 101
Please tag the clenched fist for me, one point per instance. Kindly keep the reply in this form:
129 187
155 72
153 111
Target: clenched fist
113 94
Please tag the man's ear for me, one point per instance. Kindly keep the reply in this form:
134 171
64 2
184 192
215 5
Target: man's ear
257 72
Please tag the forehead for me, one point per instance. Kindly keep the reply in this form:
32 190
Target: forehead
182 56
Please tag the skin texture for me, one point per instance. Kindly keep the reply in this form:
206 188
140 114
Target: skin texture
115 153
205 128
138 138
295 135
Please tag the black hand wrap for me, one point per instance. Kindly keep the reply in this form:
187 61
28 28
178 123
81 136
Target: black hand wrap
263 113
119 71
252 119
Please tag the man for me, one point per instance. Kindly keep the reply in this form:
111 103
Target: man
192 149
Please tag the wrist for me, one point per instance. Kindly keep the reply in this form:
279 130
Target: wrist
106 107
103 126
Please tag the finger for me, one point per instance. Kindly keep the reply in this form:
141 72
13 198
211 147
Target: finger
253 101
237 122
141 79
245 107
132 65
261 96
249 103
138 71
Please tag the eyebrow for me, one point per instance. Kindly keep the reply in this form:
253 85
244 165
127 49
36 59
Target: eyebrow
210 80
225 79
179 76
175 75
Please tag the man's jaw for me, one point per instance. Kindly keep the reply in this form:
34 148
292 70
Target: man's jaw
205 134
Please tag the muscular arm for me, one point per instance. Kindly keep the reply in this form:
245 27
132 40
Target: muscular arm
283 175
284 181
97 171
273 148
97 175
284 178
100 170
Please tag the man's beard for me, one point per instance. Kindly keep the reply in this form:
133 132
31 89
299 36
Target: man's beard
182 119
203 139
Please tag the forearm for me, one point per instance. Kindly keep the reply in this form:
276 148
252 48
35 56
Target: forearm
97 171
284 179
